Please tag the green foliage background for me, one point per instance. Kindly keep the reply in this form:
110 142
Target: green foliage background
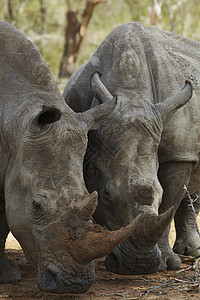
181 17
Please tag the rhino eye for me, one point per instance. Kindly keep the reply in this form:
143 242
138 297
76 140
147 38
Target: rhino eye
109 194
37 209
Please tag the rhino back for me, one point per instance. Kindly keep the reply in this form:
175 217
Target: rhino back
22 69
26 84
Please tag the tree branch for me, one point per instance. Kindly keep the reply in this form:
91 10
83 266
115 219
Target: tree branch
74 34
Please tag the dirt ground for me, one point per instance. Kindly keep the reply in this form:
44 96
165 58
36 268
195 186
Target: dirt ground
183 284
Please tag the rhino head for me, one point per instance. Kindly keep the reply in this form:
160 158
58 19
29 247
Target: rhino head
122 165
43 142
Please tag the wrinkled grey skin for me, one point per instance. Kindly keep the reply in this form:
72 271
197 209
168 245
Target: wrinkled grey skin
43 197
140 157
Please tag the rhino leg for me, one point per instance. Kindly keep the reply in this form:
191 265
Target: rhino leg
187 237
173 176
169 260
9 270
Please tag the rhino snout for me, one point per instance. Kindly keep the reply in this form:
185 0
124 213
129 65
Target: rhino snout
53 280
127 259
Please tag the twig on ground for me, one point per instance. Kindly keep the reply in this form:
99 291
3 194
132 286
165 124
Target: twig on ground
191 201
167 282
185 284
149 280
132 298
113 294
183 270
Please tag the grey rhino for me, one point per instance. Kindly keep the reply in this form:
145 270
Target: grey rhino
144 152
43 197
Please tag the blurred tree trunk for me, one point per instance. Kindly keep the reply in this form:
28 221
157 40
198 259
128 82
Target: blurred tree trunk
10 10
74 34
41 28
156 11
42 15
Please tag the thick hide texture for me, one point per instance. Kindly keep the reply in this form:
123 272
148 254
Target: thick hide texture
144 152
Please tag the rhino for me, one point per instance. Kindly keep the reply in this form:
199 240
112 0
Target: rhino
145 154
43 198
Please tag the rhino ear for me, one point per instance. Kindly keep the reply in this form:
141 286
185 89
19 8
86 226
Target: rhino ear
93 116
100 91
176 101
45 116
103 103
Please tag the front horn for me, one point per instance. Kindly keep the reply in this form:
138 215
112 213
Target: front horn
99 241
152 227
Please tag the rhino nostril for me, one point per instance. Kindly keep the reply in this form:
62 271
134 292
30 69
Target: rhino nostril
47 281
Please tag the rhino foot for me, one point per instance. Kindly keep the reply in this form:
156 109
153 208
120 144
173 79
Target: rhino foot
169 261
183 249
188 243
9 271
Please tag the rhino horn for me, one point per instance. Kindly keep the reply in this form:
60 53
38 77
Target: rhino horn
99 241
152 227
86 206
176 101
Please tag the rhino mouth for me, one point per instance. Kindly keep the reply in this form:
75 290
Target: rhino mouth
53 280
127 259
